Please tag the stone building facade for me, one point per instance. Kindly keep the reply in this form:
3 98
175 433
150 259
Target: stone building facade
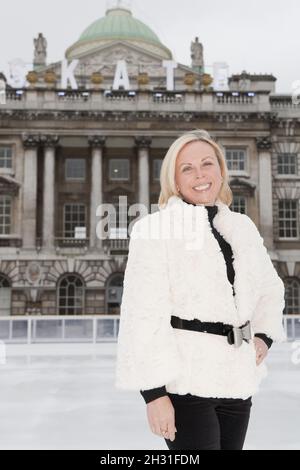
66 150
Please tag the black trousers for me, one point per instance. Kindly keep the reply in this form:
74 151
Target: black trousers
209 423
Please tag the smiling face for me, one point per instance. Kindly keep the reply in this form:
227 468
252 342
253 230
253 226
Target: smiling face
198 174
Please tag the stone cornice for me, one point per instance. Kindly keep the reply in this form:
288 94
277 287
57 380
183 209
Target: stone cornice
129 116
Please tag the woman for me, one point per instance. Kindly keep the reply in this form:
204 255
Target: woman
202 303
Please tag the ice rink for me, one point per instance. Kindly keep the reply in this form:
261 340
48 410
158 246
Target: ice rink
62 396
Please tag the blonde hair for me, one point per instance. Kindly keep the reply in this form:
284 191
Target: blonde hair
167 173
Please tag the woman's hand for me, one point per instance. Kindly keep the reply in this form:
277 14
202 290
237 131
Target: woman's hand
161 417
261 349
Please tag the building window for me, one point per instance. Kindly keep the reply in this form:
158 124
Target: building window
236 159
5 295
5 215
287 164
75 169
239 204
5 157
292 297
118 169
288 219
74 218
71 295
156 169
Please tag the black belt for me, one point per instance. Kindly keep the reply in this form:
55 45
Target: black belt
235 335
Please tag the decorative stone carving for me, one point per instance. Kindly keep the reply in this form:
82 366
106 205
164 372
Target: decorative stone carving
190 79
143 78
206 80
197 55
32 77
30 140
49 140
96 141
143 142
263 143
50 77
34 273
96 78
40 51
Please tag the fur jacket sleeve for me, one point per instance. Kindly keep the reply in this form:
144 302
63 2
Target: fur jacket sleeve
267 317
147 354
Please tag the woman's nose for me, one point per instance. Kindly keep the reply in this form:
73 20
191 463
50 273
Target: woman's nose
199 174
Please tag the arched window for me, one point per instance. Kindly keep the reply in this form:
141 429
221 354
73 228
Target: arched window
5 295
114 290
292 296
71 295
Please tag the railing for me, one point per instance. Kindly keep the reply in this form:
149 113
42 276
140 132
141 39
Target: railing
120 96
148 100
59 329
73 95
283 101
84 328
291 325
235 98
71 242
167 97
116 245
15 95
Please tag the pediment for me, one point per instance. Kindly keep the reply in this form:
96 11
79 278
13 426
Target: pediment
105 57
8 185
242 185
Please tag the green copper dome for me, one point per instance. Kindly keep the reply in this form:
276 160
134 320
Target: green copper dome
118 24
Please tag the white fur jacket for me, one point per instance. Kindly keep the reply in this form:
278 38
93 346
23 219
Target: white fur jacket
182 271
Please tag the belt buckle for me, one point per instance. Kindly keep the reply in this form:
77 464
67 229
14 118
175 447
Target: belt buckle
237 334
237 337
246 331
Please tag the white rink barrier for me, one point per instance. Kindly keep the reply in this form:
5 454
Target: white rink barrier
83 328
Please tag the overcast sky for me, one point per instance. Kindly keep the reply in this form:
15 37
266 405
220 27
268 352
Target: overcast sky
261 36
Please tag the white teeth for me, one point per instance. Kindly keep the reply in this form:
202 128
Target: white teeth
202 187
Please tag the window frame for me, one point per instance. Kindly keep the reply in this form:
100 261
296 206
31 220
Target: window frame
297 221
110 168
72 178
64 218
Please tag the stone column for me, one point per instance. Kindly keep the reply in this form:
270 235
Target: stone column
97 144
264 146
50 143
143 145
30 144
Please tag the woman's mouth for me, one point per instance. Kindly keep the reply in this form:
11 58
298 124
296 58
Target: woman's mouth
202 187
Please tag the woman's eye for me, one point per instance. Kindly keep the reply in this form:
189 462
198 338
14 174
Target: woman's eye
187 168
207 163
